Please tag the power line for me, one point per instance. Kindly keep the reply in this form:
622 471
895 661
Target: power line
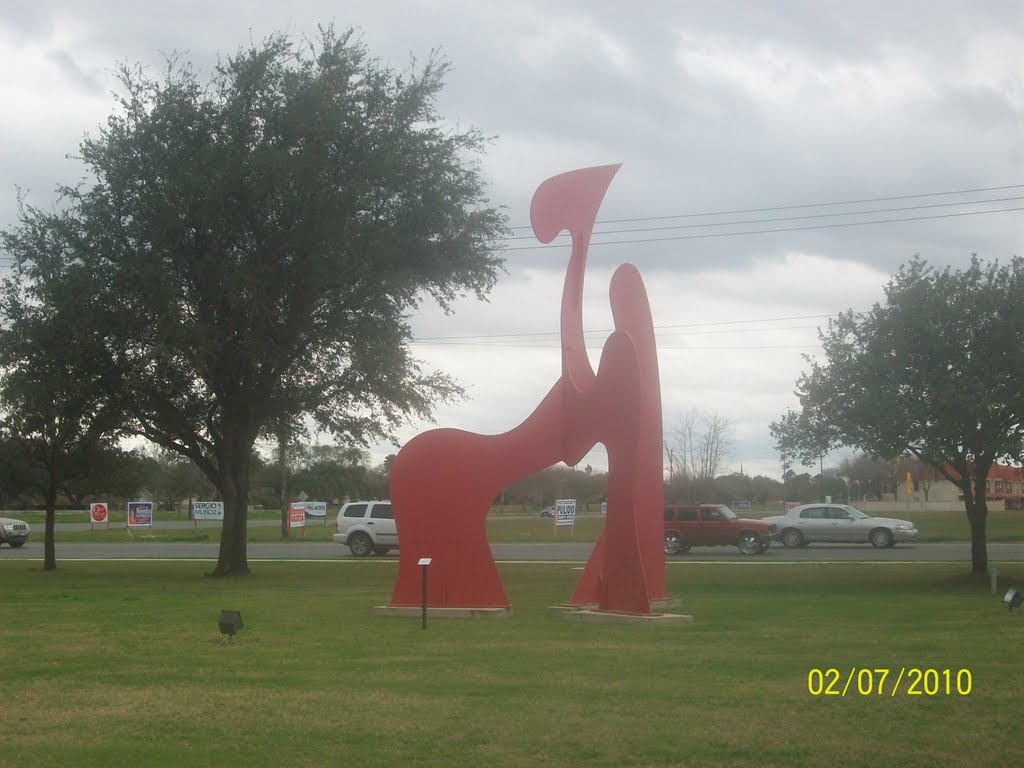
656 328
525 342
801 205
601 346
786 218
834 225
769 231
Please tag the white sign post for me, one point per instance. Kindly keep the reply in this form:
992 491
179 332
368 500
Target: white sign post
207 510
565 514
99 512
317 509
297 515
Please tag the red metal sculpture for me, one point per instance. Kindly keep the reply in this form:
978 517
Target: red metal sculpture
443 480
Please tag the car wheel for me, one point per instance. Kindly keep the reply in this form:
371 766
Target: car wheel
791 537
359 544
381 550
674 544
882 538
16 544
749 544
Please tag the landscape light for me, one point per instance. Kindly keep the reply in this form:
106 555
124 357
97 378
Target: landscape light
1013 598
230 622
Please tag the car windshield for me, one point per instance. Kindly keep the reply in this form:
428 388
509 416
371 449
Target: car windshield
726 513
855 513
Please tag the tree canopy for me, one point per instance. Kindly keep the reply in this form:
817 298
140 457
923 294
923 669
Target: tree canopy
933 372
248 251
49 410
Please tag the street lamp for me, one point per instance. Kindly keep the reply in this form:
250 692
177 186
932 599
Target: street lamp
821 476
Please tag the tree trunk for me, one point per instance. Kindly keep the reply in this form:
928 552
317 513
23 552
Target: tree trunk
977 516
49 548
282 452
235 455
979 546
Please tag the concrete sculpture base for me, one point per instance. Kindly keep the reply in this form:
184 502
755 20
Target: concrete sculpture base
610 617
416 612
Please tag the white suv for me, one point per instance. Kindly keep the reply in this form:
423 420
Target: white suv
367 526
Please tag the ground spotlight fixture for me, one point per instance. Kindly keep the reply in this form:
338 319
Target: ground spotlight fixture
230 622
1013 598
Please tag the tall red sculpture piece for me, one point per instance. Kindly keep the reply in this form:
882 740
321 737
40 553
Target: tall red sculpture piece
443 480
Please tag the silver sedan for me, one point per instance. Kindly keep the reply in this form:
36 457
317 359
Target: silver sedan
839 523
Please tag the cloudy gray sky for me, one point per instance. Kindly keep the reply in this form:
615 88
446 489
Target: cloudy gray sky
711 107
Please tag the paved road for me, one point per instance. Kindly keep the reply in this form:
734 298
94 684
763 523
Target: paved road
567 551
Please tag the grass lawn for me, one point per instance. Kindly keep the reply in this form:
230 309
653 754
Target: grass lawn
121 663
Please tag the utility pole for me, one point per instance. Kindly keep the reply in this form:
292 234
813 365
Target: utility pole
821 476
282 455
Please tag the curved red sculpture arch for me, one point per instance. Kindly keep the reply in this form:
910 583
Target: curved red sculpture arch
443 480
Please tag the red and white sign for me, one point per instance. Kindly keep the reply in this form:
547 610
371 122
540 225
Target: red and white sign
297 515
98 512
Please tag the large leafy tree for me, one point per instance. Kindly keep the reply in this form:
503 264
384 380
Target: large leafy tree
50 412
250 249
803 438
934 372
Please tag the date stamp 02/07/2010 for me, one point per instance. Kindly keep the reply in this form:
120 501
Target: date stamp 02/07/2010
908 681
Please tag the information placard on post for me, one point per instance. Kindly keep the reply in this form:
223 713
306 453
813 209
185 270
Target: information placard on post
99 513
565 512
297 514
317 509
140 514
207 510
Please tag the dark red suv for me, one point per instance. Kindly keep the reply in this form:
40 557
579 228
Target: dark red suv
713 525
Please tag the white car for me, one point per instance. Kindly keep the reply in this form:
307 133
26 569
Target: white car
367 526
13 532
839 523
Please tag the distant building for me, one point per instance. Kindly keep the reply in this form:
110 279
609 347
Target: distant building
1004 484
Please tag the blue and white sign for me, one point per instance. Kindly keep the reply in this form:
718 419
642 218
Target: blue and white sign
140 513
565 512
316 508
208 510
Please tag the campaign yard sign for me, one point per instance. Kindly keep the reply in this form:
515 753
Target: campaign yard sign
297 514
140 514
207 510
565 512
99 513
741 506
316 508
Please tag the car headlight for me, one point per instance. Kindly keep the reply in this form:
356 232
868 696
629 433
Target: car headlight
904 527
